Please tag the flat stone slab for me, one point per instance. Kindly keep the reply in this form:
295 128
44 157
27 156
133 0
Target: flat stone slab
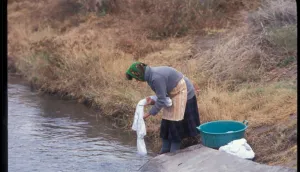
199 158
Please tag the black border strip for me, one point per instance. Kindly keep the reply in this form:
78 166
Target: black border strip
4 141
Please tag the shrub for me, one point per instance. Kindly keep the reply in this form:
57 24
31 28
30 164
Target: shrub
64 9
237 58
274 14
175 18
284 37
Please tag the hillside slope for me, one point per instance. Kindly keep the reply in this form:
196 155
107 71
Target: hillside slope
241 56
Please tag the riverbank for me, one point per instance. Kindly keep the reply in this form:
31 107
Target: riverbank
241 72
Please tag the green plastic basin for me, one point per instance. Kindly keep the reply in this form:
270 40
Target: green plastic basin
219 133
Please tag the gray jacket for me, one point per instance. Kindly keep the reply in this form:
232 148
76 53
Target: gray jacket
162 80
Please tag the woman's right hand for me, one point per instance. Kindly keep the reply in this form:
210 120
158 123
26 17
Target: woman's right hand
149 101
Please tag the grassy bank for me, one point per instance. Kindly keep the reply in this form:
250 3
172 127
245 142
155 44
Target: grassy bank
242 57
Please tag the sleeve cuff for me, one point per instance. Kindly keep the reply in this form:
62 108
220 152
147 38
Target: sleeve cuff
152 111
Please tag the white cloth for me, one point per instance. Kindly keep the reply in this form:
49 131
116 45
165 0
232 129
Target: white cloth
168 100
238 148
139 124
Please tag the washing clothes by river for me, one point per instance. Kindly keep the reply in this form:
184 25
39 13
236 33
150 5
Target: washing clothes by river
181 118
139 124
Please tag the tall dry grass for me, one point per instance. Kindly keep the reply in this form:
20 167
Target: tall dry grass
259 104
277 22
237 58
83 55
248 53
175 18
277 13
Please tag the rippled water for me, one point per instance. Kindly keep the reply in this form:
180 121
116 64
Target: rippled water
51 135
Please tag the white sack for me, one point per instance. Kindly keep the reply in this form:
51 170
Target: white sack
239 148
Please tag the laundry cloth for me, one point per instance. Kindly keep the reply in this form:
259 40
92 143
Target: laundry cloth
139 124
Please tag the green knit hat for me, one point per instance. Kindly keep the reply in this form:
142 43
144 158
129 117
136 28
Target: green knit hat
137 71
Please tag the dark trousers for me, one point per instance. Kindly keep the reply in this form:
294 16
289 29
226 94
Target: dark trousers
169 146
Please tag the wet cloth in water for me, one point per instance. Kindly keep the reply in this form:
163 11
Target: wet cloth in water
139 124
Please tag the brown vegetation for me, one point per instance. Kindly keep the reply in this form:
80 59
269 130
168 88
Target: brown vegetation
240 54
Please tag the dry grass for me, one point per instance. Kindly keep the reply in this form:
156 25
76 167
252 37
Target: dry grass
248 54
259 104
175 18
274 14
268 108
235 59
277 22
281 141
285 38
83 55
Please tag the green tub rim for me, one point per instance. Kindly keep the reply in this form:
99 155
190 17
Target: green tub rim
245 122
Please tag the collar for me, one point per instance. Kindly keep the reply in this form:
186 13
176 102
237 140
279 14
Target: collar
147 75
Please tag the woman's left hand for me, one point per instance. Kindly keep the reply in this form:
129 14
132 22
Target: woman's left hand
150 101
146 115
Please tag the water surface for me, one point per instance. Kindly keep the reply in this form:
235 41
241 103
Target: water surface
51 135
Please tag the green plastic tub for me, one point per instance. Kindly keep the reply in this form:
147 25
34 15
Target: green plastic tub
219 133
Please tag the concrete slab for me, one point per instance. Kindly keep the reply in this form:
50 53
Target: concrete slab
199 158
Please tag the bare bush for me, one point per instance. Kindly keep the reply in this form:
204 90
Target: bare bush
92 5
247 55
237 58
275 13
175 18
276 22
64 9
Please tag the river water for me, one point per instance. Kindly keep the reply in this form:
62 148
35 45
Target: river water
46 134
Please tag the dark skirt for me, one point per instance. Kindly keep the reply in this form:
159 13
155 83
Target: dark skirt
178 130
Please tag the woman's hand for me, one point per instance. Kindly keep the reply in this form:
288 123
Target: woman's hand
150 101
146 115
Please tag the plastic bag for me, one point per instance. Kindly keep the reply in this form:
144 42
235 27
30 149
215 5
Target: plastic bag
239 148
